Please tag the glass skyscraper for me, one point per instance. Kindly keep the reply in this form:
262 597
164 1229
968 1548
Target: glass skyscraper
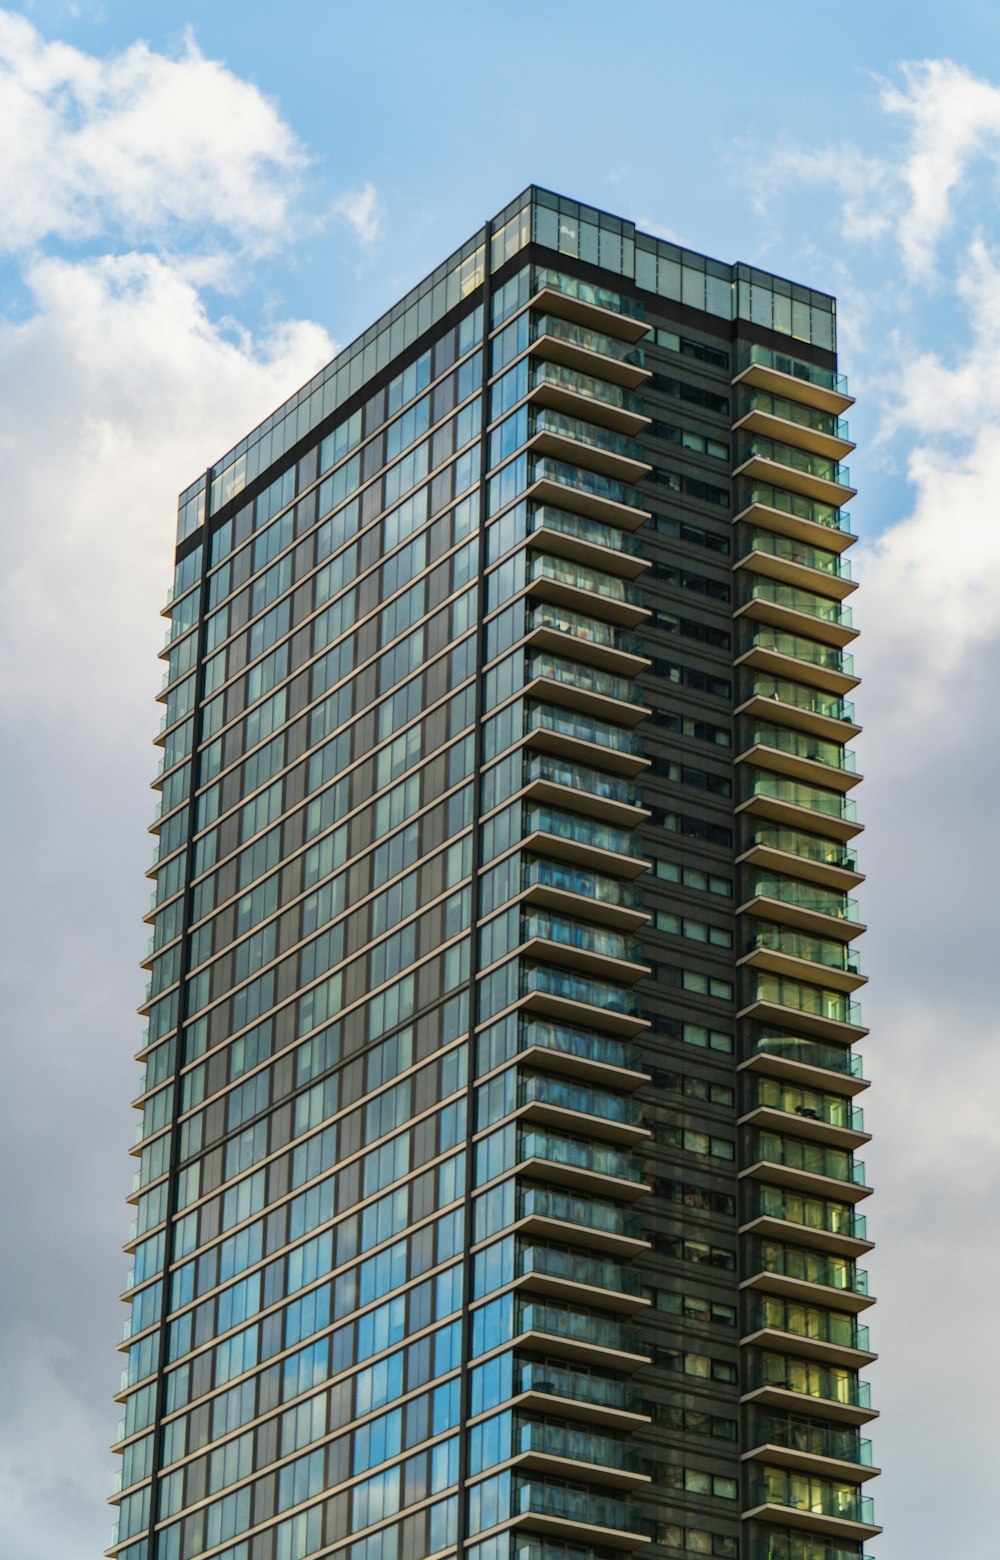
496 1189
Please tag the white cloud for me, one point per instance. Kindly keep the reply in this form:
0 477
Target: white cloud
362 211
138 142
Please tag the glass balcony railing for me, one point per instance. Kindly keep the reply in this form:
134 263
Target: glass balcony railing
545 517
812 1379
581 1385
807 1267
801 744
571 1504
814 1213
796 504
582 728
589 385
577 1325
832 853
797 459
579 1042
792 550
579 1153
809 373
798 793
795 411
810 1104
579 674
544 1202
815 1440
832 659
818 950
565 1095
547 614
837 1164
823 608
832 1005
576 1444
589 292
544 420
580 935
576 1268
589 340
545 468
812 700
583 831
805 896
535 870
780 1544
817 1496
844 1331
579 988
579 777
565 571
808 1052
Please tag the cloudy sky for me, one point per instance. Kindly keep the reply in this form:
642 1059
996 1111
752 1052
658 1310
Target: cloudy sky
197 204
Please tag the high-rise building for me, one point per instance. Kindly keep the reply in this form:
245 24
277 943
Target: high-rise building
497 1194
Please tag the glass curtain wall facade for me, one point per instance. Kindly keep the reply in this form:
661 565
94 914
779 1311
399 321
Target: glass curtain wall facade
496 1191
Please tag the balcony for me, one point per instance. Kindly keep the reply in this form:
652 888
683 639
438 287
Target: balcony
571 1512
804 1166
560 1103
798 1059
777 1380
827 863
561 1274
801 471
587 350
581 841
575 440
792 803
793 514
795 563
832 1226
813 1009
787 1440
613 798
588 492
556 1215
798 1274
546 1447
588 303
579 1053
586 540
796 611
785 751
558 886
594 949
580 1163
590 1337
552 627
585 395
792 422
567 583
581 998
777 1103
821 714
834 1338
783 1545
546 1386
797 659
799 956
574 735
807 1501
583 687
763 368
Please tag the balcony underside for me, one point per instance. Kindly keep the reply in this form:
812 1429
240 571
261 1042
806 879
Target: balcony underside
770 1119
573 1531
808 1348
800 575
779 664
546 538
790 388
576 851
590 408
823 873
553 350
794 620
822 490
804 1073
796 766
593 316
563 744
566 1119
815 1522
589 457
581 1351
623 815
622 663
795 816
770 707
770 518
563 496
805 1183
771 1227
541 1402
582 1067
783 431
795 968
545 950
581 1178
621 918
569 1468
624 1247
810 1294
569 697
766 1011
805 1403
551 1287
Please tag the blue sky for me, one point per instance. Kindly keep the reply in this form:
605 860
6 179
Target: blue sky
197 205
